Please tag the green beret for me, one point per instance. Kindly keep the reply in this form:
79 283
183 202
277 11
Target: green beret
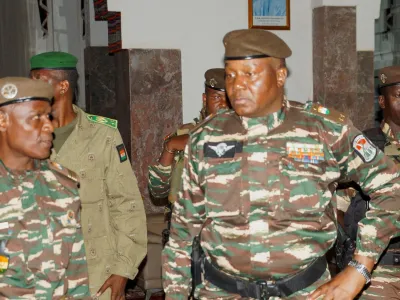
20 89
215 79
54 61
389 76
254 43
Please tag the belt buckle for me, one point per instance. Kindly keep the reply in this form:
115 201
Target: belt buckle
267 289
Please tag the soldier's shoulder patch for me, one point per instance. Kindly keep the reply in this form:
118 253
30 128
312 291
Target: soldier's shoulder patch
123 156
328 113
56 167
364 148
103 120
203 122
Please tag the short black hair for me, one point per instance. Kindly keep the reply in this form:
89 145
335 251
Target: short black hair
71 76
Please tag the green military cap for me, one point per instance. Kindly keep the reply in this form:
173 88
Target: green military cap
254 43
20 89
54 61
215 79
389 76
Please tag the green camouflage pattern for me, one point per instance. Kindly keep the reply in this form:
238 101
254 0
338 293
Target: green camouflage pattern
271 215
41 233
385 284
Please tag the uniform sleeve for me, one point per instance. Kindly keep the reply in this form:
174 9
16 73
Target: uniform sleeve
378 177
159 180
187 218
77 272
126 213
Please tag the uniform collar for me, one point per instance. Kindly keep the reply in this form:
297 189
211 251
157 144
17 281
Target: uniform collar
387 131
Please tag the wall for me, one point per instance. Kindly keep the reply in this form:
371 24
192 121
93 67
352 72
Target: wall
197 28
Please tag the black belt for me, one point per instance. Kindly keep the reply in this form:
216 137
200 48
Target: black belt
264 289
390 259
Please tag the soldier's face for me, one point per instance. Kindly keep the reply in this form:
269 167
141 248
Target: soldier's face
29 132
49 76
254 86
390 103
214 100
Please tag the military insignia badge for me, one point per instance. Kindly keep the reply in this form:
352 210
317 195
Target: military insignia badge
306 153
383 78
9 91
4 258
222 149
122 153
364 148
103 120
70 216
323 110
213 82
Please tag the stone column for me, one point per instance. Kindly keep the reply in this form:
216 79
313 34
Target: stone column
343 76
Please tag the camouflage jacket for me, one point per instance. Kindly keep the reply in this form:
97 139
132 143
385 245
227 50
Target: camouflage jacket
42 249
268 185
164 181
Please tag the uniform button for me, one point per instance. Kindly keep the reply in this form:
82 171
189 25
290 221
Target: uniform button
89 229
91 156
133 205
92 125
92 252
108 140
108 270
82 174
80 127
100 207
110 203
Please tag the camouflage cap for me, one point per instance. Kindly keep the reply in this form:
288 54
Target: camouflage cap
389 76
254 43
20 89
54 61
215 79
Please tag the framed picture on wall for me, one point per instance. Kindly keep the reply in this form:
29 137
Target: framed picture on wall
269 14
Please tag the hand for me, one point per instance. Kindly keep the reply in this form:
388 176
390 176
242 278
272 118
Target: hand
177 143
117 284
344 286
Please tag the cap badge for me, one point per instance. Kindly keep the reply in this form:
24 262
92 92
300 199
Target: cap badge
9 91
213 82
383 78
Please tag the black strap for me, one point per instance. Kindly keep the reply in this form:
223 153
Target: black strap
264 289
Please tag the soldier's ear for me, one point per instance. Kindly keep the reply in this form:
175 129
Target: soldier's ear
381 101
281 75
64 86
4 120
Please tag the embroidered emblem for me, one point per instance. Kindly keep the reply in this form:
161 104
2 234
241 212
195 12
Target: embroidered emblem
213 82
306 153
70 216
383 78
122 153
9 91
323 110
222 149
4 258
103 120
364 148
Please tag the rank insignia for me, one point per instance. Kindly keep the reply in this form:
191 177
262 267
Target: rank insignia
122 153
323 110
103 120
364 148
383 78
222 149
70 216
306 153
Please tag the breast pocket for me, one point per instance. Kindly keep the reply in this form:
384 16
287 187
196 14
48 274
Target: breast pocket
224 188
302 186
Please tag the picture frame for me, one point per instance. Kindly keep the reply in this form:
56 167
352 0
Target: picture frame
269 14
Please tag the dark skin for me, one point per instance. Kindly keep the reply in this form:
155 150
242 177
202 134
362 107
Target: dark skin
255 88
63 114
213 100
26 134
389 101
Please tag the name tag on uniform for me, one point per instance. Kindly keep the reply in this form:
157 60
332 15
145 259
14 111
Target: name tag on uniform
226 149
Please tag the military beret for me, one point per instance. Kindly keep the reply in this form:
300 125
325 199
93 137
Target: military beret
254 43
54 61
20 89
389 76
215 79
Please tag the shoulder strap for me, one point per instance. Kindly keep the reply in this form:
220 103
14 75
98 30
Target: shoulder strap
56 167
102 120
328 113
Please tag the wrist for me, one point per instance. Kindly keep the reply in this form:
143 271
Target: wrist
361 269
168 148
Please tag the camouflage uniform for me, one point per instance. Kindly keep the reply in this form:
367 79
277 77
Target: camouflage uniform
268 186
385 281
40 235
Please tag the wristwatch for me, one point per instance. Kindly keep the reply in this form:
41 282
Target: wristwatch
361 269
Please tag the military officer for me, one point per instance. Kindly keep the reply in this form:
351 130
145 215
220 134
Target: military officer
165 175
385 282
42 254
112 207
259 184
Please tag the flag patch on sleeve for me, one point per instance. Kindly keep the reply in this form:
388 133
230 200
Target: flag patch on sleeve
364 148
122 153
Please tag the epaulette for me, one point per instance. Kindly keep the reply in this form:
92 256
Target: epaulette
327 113
103 120
56 167
203 122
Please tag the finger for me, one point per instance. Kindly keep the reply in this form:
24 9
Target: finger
114 293
105 286
317 293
